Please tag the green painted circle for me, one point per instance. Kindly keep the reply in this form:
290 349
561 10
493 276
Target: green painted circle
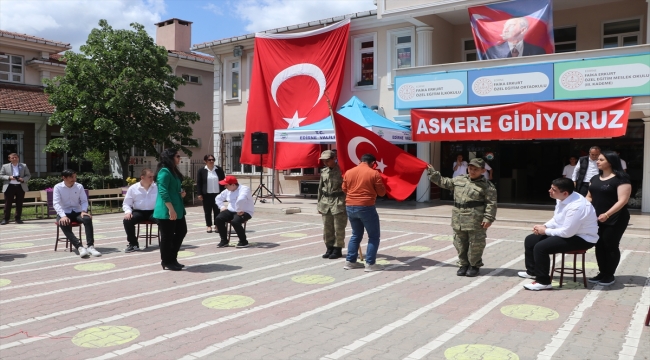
225 302
312 279
100 236
378 261
94 267
105 336
415 248
293 235
185 253
479 352
567 285
4 282
588 265
16 245
444 238
529 312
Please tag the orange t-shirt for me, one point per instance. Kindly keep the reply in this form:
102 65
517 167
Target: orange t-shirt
362 185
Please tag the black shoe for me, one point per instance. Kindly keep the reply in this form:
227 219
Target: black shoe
18 221
596 279
179 264
223 243
4 222
336 253
473 271
607 280
462 271
328 252
129 248
242 244
172 267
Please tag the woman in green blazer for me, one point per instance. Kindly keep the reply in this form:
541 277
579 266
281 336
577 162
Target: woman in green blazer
169 209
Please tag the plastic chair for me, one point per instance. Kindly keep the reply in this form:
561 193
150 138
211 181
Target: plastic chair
573 270
148 233
68 244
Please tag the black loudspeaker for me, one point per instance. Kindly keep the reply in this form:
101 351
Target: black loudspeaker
259 143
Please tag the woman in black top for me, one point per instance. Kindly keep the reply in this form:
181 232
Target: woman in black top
207 183
609 193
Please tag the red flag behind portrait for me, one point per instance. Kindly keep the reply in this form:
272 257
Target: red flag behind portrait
291 74
400 170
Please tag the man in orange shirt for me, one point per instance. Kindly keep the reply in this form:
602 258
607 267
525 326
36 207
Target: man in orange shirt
362 185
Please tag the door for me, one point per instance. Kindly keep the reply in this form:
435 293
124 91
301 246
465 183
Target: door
11 142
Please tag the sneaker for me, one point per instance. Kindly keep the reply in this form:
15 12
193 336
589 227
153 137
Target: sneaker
353 265
223 243
129 248
136 248
535 286
525 275
595 279
93 252
83 252
607 280
242 244
462 271
373 267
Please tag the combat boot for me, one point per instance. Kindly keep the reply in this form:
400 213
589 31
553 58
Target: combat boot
328 252
473 271
336 253
462 271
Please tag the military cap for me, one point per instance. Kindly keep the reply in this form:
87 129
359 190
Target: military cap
327 154
478 162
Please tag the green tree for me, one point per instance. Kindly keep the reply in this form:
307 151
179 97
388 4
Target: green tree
118 92
97 159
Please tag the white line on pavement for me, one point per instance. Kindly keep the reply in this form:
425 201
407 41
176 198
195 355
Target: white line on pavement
634 331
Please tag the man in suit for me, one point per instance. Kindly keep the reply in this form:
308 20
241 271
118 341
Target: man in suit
14 177
514 45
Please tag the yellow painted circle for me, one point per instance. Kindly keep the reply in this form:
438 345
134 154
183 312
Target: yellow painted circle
185 253
529 312
312 279
4 282
567 285
105 336
414 248
378 261
479 352
444 238
224 302
293 235
16 245
100 236
94 267
588 265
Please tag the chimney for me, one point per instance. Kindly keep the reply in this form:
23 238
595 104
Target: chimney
174 34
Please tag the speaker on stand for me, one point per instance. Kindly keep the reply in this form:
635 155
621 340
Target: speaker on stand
260 145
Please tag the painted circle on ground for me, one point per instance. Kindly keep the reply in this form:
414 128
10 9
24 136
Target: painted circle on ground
185 253
378 261
311 279
105 336
94 267
30 226
414 248
225 302
568 285
444 238
479 352
588 265
100 236
4 282
16 245
529 312
293 235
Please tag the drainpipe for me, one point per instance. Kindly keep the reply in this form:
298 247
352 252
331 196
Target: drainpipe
38 148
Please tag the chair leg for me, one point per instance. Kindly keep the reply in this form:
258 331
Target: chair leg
584 274
562 271
229 231
647 318
552 268
575 268
56 243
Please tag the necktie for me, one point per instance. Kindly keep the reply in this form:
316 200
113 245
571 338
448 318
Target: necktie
514 52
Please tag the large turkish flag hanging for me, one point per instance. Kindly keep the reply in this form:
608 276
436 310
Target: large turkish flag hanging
399 170
292 73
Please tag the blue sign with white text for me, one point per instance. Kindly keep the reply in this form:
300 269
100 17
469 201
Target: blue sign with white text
431 90
510 84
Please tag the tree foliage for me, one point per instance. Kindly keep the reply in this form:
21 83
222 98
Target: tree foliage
117 93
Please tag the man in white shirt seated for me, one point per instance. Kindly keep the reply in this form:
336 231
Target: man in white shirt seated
71 205
574 226
239 210
138 206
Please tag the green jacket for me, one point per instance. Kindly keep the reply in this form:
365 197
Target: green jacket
468 191
330 192
169 190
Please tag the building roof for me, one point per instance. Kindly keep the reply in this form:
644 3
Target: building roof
191 56
30 38
286 28
171 21
24 98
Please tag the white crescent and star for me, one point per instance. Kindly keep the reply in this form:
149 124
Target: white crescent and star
305 69
352 151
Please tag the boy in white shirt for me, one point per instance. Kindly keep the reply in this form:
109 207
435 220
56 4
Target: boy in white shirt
568 170
239 210
138 206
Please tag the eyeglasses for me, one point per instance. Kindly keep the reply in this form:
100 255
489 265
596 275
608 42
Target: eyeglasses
210 159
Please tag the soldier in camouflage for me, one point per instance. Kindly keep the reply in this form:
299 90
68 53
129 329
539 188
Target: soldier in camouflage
331 205
475 209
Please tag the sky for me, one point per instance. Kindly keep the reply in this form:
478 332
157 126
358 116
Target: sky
70 21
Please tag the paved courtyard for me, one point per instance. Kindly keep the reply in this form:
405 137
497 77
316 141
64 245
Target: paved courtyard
279 299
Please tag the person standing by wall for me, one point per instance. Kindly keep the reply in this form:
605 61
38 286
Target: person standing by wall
331 205
585 170
207 184
14 176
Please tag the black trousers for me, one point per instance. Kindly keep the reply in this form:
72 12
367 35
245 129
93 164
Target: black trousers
137 216
88 227
14 192
582 188
172 233
608 254
236 221
539 247
209 207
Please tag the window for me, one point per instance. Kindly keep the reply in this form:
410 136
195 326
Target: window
233 84
235 152
191 79
401 54
11 68
364 62
469 50
621 33
565 39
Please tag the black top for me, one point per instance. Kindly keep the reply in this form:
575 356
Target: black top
202 179
604 194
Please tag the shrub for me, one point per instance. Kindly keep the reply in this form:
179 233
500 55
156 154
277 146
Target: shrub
89 181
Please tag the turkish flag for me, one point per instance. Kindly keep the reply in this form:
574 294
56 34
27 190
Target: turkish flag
400 170
291 75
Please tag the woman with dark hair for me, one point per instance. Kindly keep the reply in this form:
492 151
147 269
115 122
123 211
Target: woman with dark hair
169 209
207 184
609 192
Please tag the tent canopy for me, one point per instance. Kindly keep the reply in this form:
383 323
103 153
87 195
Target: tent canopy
322 132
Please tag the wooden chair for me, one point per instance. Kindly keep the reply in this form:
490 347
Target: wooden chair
230 229
148 233
58 238
573 270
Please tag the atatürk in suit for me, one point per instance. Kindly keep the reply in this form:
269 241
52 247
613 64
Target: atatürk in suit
502 51
14 185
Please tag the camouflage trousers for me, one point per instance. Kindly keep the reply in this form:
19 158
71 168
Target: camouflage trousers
470 245
334 229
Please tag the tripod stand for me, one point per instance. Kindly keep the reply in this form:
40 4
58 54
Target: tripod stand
261 187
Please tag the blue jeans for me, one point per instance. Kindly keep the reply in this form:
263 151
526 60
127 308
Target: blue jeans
363 217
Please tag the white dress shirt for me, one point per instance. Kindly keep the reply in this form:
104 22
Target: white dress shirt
568 171
623 164
15 172
213 180
69 199
139 198
574 216
462 168
486 174
592 170
238 200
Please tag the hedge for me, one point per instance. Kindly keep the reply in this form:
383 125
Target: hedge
89 181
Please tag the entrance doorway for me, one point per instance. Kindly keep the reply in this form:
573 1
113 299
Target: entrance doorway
11 142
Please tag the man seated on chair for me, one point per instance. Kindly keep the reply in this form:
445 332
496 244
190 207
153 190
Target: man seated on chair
574 226
138 206
239 210
71 205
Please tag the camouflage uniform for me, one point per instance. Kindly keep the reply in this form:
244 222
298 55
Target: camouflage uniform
475 201
331 204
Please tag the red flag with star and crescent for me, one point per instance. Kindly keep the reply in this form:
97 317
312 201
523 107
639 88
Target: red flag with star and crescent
291 75
399 170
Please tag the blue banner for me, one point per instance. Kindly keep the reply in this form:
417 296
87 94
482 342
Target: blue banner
510 84
431 90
